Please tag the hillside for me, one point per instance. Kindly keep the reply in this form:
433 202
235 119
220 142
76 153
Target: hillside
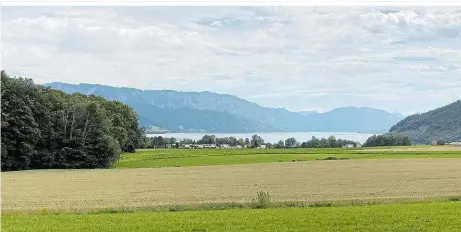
346 119
190 120
207 111
279 119
440 124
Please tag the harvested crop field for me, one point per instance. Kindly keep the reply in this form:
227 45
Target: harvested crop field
296 181
416 148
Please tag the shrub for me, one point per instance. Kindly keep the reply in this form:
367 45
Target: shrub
44 211
454 198
263 200
321 204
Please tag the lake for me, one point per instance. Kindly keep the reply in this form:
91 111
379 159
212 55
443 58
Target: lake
273 137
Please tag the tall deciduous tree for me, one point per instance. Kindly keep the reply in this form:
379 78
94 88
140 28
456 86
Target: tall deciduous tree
45 128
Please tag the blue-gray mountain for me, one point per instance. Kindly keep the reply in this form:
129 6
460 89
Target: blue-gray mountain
212 112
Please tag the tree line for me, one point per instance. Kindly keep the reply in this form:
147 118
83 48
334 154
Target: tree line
314 142
46 128
163 142
387 140
253 142
256 141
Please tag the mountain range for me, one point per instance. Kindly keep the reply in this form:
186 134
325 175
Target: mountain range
178 111
441 124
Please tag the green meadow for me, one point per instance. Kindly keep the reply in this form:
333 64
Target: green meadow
154 158
393 217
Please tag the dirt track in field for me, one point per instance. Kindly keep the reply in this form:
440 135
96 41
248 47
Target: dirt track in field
297 181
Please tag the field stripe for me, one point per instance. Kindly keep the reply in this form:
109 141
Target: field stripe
294 181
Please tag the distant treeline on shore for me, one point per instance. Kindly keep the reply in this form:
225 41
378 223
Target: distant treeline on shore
257 142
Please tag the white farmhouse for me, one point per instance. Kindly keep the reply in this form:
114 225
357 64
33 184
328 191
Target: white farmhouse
188 146
209 146
263 146
225 146
455 144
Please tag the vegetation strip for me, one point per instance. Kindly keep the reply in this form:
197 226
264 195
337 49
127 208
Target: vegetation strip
391 217
261 201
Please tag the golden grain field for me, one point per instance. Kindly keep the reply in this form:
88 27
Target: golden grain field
416 148
296 181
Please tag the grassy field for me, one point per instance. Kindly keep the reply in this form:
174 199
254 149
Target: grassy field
295 181
215 191
150 158
401 217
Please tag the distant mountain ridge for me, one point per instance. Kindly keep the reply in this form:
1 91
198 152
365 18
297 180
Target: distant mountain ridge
214 112
441 124
308 112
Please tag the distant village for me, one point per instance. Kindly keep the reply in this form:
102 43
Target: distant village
255 142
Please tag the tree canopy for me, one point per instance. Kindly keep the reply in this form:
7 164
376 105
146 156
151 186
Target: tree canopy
387 140
46 128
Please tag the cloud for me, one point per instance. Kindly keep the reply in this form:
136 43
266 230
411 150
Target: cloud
398 59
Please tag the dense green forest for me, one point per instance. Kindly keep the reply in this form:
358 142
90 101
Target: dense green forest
387 140
442 124
45 128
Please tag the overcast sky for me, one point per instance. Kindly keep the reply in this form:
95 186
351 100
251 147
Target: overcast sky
300 58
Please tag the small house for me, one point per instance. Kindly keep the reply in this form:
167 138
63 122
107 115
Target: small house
225 146
209 146
455 144
350 145
263 146
187 146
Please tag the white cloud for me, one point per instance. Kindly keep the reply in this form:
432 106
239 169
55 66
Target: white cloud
405 59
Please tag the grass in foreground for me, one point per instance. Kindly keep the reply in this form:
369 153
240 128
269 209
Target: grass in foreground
397 217
149 158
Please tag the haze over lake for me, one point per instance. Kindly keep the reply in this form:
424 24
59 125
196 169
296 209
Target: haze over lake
273 137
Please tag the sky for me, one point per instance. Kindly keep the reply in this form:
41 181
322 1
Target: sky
299 58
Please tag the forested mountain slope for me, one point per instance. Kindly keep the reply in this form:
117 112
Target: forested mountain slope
440 124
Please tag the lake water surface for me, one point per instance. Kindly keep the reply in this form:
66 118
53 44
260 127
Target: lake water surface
273 137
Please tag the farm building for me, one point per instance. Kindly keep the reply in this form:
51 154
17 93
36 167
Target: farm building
455 144
350 145
208 146
225 146
187 146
